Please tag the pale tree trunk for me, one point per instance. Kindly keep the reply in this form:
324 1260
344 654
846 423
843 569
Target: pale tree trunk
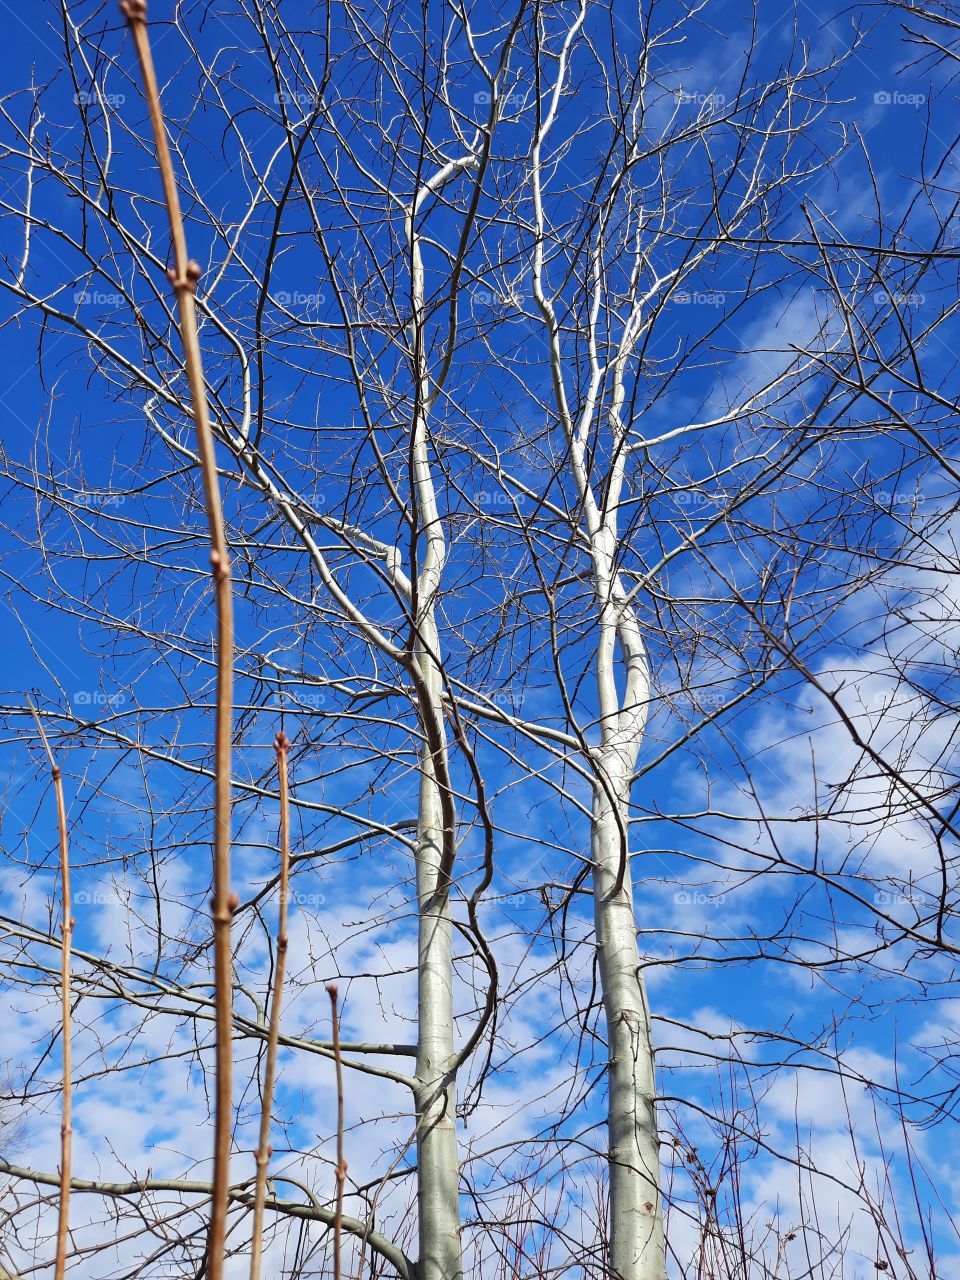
636 1249
438 1163
636 1246
437 1155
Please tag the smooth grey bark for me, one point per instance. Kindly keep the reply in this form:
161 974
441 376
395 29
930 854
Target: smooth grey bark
636 1246
636 1249
438 1162
435 1093
636 1243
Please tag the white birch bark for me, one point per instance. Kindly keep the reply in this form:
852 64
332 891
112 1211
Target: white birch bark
438 1164
636 1244
636 1249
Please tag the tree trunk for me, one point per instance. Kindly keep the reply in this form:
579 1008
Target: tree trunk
636 1250
438 1166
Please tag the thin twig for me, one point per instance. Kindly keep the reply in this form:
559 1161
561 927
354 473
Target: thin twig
66 931
184 275
341 1163
264 1150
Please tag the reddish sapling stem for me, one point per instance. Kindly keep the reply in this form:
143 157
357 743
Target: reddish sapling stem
66 941
341 1171
184 276
264 1150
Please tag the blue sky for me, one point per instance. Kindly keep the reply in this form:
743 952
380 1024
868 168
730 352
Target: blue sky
70 628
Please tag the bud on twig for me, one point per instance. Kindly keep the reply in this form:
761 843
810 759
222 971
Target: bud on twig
220 566
190 278
134 10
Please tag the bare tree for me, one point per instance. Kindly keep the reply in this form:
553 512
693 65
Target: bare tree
556 421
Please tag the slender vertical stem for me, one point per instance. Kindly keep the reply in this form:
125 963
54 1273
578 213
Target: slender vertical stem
184 275
66 932
341 1163
264 1150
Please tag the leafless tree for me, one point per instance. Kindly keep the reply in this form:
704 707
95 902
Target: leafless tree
563 417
